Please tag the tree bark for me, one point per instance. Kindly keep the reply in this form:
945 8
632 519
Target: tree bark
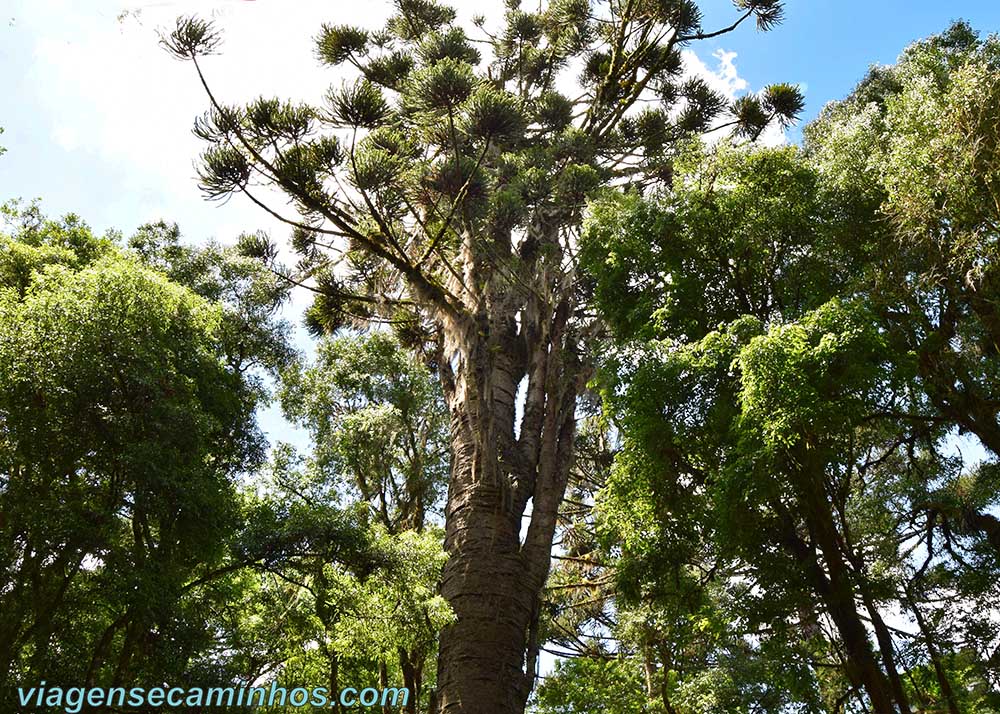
493 580
482 655
383 682
834 586
410 664
862 669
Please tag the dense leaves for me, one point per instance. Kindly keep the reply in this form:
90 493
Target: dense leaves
134 551
802 386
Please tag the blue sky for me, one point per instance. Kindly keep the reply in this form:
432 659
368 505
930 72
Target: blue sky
76 74
827 45
97 117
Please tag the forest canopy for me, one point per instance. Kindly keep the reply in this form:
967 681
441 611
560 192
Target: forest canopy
606 405
803 381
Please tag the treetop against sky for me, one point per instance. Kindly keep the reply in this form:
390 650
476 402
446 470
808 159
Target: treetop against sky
92 86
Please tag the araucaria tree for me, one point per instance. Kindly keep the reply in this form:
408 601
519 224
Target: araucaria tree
442 192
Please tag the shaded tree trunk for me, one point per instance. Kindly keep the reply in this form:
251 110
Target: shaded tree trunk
836 592
134 631
410 665
383 682
493 579
932 651
103 647
886 648
882 634
29 612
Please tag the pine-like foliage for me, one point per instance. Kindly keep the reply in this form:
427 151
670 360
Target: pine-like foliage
433 162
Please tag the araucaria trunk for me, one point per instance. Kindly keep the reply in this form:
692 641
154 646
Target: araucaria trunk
503 458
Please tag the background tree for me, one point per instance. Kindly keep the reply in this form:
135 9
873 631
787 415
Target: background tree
319 612
443 194
127 403
143 538
379 424
126 416
936 181
379 427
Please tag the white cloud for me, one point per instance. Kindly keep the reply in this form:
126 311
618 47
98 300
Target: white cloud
66 136
110 94
724 79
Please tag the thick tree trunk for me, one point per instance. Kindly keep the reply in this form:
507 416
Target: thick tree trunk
482 655
493 578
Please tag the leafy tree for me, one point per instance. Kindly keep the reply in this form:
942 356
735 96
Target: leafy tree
339 600
443 193
582 685
379 428
683 305
935 179
787 384
930 126
379 425
124 420
136 547
126 423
